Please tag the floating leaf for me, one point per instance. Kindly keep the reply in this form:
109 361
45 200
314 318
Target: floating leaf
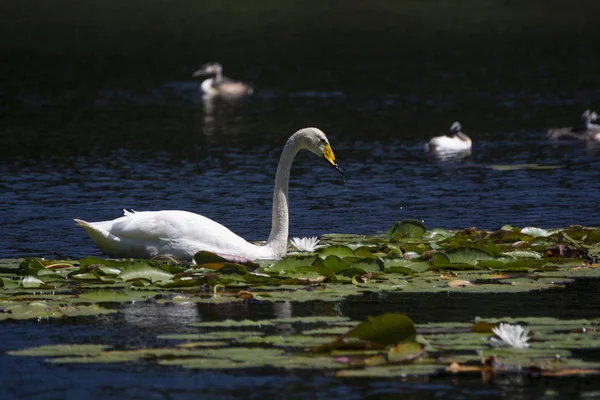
55 350
401 353
30 266
87 261
406 229
368 265
7 283
336 250
322 269
482 327
385 329
206 257
290 263
366 252
142 270
335 264
468 255
112 296
233 268
516 167
459 283
418 266
438 258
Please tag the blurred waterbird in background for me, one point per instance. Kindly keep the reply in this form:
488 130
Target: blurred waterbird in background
219 85
454 141
588 130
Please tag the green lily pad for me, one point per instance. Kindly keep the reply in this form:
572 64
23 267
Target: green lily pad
322 269
336 250
406 229
368 265
113 296
31 267
290 263
206 257
229 323
385 329
468 255
516 167
335 264
56 350
142 270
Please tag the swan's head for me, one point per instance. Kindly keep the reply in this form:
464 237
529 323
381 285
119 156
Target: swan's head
210 69
314 140
455 127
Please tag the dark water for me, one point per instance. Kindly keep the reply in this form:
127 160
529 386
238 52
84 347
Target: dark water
136 325
98 113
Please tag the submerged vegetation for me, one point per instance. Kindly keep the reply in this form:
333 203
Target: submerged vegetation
407 258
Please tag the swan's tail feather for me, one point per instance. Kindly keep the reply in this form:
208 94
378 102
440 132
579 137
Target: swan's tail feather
82 223
96 232
102 238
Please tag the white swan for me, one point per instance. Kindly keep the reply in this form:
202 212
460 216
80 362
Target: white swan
455 141
219 85
181 234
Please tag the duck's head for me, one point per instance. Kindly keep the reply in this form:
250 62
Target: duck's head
209 69
314 140
455 128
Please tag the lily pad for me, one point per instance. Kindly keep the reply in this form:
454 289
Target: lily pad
142 270
55 350
336 250
406 229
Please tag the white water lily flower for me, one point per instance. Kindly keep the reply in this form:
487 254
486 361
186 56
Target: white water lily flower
305 244
512 335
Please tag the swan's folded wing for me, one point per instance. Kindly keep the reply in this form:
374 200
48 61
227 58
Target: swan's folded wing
173 225
147 226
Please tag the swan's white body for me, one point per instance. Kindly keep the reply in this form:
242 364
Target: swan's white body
181 234
219 85
454 142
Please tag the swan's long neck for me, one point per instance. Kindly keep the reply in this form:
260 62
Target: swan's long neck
277 241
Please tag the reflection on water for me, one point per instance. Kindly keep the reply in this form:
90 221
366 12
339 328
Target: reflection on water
150 315
450 155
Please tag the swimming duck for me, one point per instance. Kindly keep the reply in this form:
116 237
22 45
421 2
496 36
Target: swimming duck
181 234
586 131
219 85
455 141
